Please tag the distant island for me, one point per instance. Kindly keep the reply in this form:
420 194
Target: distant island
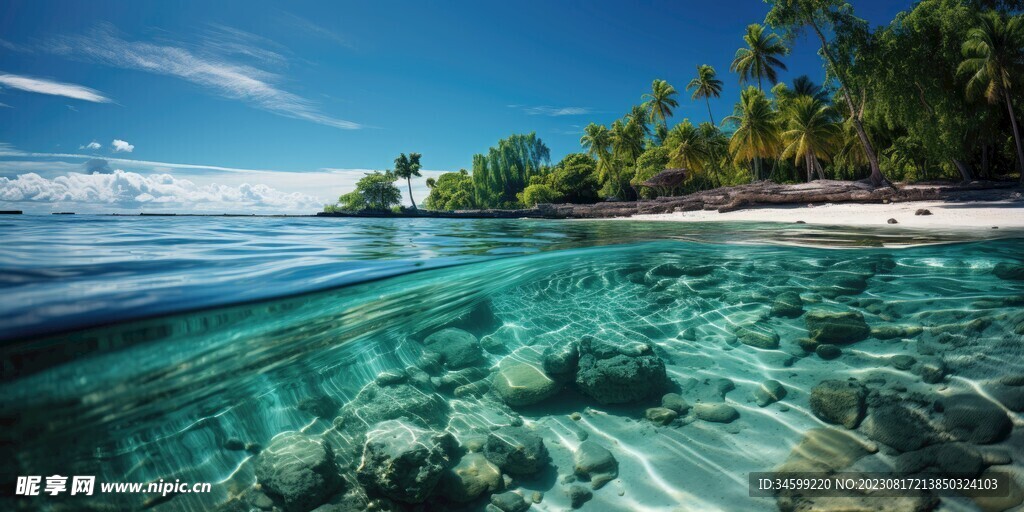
928 99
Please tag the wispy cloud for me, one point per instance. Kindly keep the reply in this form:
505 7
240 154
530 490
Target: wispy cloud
4 105
308 27
43 86
120 146
553 111
207 69
91 146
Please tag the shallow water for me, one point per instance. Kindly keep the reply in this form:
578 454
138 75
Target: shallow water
166 395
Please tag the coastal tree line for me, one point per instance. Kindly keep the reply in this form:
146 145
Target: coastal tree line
931 95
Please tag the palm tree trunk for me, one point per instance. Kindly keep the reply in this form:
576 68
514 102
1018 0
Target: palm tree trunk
877 178
708 100
1016 135
965 172
984 161
408 181
808 167
821 172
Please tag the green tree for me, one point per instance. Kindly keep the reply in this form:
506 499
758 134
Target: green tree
994 55
575 179
837 15
450 191
651 162
597 140
760 58
660 101
539 193
506 169
811 133
687 147
378 191
756 134
706 85
405 168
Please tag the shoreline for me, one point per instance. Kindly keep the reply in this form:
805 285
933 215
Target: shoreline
943 214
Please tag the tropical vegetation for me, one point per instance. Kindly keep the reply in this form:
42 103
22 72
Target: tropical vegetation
932 95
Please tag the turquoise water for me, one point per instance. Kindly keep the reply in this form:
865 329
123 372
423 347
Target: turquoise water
214 350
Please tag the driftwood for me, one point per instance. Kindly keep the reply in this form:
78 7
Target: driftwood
763 193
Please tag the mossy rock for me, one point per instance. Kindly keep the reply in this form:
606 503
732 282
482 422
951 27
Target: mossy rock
838 328
839 402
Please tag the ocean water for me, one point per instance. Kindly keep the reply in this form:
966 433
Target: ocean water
219 349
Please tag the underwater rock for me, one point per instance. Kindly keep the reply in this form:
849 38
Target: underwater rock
945 459
890 332
974 419
826 450
835 284
902 362
561 360
320 406
769 392
660 415
1009 271
403 461
932 372
922 211
234 444
828 351
389 377
520 384
758 336
807 344
376 403
458 348
595 463
430 363
471 478
516 450
898 426
716 413
578 495
788 305
615 375
509 502
840 328
466 376
675 402
839 402
299 470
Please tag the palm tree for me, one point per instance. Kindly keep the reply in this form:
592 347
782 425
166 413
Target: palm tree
627 139
757 129
640 116
811 132
660 101
407 167
994 54
705 86
688 147
596 140
761 56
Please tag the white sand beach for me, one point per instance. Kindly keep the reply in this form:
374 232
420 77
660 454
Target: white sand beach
944 214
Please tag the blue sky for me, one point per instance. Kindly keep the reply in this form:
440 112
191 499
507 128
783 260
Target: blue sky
301 97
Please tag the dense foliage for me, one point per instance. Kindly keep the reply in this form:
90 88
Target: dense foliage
931 95
376 191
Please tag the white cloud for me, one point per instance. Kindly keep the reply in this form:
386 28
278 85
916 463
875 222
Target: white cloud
553 111
4 105
92 146
42 86
228 79
121 146
129 190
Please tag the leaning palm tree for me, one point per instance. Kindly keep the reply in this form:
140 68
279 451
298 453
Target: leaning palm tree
407 167
597 140
660 101
705 86
811 133
994 57
639 115
757 129
760 58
